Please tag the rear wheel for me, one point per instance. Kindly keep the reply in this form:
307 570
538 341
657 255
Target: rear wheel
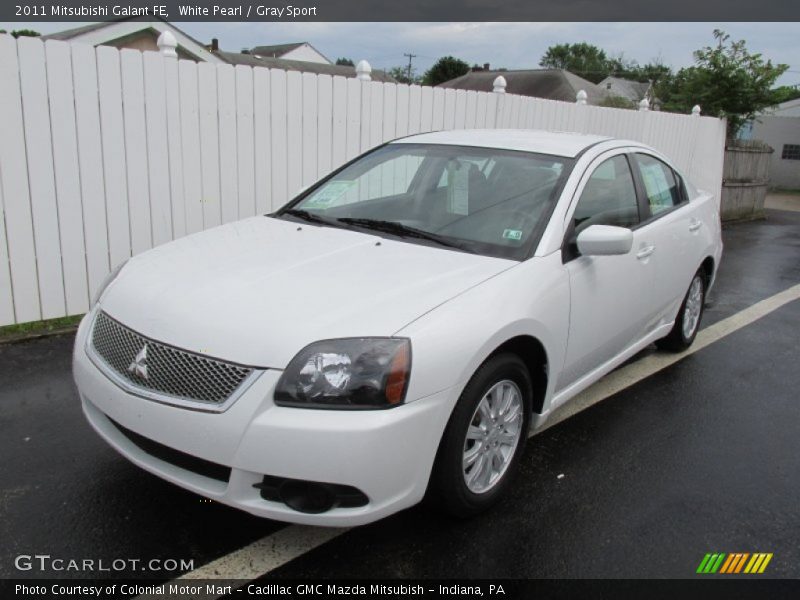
688 320
484 439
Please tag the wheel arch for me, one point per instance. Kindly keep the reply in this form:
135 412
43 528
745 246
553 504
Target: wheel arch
708 265
532 352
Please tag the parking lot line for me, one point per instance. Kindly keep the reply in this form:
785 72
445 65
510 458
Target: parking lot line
277 549
266 554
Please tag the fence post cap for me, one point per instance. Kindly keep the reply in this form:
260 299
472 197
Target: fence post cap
581 97
167 44
696 110
644 104
363 70
500 84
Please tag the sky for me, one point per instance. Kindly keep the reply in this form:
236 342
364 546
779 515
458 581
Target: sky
508 45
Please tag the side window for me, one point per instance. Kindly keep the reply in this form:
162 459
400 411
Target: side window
662 186
609 197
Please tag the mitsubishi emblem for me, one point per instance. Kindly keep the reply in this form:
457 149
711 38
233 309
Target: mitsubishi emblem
139 365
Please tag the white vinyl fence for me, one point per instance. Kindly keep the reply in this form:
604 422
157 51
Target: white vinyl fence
106 153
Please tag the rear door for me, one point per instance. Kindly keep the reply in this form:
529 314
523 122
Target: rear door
674 226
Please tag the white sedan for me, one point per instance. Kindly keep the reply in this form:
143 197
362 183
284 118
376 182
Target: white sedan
399 328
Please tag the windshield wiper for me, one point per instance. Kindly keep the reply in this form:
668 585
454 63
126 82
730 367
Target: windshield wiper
400 230
311 217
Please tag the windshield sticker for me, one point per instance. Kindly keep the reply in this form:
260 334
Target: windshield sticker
457 189
512 234
329 194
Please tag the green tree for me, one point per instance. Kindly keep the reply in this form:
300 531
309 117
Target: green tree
585 60
345 62
726 81
784 93
617 102
445 69
400 74
25 33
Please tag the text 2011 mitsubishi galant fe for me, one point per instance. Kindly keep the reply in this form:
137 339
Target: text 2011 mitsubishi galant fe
397 329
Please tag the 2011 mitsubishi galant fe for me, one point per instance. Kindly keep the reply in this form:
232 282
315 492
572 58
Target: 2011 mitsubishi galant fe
397 329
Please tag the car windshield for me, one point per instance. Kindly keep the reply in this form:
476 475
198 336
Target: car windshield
481 200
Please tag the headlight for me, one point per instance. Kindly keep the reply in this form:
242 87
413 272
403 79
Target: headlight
107 282
350 373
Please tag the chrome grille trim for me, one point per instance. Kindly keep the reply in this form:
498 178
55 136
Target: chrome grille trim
175 376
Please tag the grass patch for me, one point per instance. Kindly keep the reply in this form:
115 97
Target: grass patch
39 327
781 191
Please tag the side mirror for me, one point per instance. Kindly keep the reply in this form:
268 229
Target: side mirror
604 240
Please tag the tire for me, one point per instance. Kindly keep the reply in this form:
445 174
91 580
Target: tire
689 316
503 386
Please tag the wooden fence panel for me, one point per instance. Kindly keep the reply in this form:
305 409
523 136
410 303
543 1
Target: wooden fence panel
191 158
136 150
6 293
208 106
280 190
324 147
67 176
294 132
109 84
90 161
175 148
155 102
245 143
355 92
228 160
414 109
310 128
39 145
261 141
339 110
401 129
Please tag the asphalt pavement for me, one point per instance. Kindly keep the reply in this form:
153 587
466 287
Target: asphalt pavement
703 456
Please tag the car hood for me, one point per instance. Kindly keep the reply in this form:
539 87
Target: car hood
257 291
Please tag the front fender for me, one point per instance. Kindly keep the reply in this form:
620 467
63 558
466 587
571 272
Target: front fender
450 342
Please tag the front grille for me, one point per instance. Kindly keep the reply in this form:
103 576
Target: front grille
163 369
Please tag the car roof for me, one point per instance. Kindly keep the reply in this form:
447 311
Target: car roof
558 143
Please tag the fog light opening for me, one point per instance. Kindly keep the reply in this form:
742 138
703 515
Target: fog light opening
312 497
306 496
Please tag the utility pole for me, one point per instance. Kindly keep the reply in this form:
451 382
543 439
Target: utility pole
408 71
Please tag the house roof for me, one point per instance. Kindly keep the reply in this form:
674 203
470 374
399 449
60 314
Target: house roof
790 108
280 50
108 31
553 84
526 140
275 50
627 88
237 58
68 34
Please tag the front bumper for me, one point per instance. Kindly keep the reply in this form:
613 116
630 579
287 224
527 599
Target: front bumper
386 454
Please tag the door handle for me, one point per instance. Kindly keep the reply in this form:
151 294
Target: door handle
694 225
645 251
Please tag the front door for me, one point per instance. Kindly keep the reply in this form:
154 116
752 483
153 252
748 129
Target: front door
610 296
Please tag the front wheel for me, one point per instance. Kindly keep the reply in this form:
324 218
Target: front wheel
484 439
688 320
